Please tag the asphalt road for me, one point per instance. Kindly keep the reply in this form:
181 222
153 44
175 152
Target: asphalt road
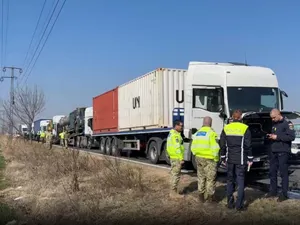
294 178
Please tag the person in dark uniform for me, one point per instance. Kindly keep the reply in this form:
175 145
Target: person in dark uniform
236 150
281 139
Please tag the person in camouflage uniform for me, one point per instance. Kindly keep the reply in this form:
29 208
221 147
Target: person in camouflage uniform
49 138
175 150
206 150
66 136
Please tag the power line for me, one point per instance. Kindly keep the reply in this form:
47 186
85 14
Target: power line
2 30
6 32
46 40
37 24
26 69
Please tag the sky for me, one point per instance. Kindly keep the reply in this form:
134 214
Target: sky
97 45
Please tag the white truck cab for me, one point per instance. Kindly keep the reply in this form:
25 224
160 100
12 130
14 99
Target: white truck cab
44 124
23 129
88 121
216 89
56 120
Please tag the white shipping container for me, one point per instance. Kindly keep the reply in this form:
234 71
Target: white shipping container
147 102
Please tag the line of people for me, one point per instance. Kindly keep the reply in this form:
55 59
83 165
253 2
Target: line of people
235 149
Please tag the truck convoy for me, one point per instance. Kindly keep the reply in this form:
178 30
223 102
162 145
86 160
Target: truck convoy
138 115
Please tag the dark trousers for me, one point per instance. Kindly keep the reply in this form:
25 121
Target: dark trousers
279 160
235 173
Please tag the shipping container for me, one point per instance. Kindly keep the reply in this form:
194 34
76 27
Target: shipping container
148 101
105 112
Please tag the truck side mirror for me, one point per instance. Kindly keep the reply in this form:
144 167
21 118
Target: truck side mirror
222 114
282 93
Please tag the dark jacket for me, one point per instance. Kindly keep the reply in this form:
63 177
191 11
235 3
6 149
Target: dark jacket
285 132
235 143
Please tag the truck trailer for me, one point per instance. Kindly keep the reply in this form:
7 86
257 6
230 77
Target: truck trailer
138 115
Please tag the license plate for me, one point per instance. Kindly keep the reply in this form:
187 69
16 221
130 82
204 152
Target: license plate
256 159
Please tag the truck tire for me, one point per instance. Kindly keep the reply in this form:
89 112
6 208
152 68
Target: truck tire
153 152
108 146
102 145
115 151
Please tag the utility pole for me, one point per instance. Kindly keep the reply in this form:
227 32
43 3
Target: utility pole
12 94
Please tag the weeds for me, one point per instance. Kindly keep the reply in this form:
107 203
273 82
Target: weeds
64 186
6 213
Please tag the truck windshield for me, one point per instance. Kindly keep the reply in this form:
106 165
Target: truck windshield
258 99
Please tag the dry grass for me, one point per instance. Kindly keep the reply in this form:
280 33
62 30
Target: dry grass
66 186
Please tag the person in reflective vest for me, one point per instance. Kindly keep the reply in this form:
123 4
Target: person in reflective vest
206 150
175 150
236 150
61 136
42 135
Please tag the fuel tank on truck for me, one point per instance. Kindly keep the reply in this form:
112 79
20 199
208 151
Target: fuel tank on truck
148 102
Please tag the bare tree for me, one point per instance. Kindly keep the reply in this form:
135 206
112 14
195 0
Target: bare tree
27 105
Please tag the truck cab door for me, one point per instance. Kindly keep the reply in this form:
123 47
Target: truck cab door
207 101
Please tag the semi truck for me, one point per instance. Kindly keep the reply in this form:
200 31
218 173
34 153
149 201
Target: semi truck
23 129
78 125
138 115
36 127
44 124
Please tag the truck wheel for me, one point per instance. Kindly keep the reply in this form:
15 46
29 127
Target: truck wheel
153 152
115 151
108 146
102 145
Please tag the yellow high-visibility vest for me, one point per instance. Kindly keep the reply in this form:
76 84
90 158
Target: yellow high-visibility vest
204 144
175 146
43 134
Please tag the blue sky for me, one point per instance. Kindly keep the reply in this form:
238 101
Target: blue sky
97 45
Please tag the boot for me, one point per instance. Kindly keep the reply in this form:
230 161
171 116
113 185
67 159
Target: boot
210 199
201 197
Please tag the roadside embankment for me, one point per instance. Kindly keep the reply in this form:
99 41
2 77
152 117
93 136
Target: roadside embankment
71 187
